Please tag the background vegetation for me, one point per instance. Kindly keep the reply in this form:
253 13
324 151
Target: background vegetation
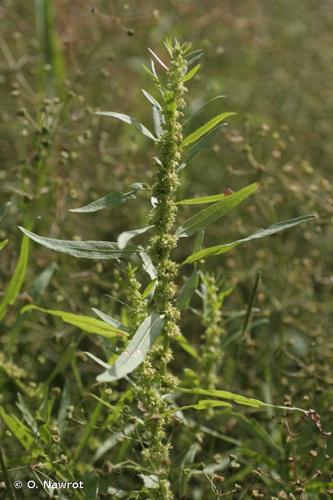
60 61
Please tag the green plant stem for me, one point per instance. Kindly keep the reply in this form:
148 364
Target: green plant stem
155 379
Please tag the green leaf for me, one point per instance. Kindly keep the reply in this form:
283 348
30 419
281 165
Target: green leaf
111 321
150 289
190 74
85 249
187 291
261 233
85 323
3 244
126 236
17 279
19 430
136 350
110 200
203 404
130 120
211 214
204 129
199 145
230 396
237 398
203 199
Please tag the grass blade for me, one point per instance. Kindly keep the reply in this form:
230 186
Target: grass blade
17 279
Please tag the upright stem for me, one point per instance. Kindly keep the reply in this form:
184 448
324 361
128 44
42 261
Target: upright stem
155 379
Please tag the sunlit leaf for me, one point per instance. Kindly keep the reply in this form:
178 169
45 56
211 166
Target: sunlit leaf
85 249
261 233
127 236
17 279
85 323
128 119
204 129
200 145
190 74
201 200
136 350
211 214
150 289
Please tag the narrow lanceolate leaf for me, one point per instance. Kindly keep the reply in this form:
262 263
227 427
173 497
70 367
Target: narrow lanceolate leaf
237 398
203 404
158 121
190 74
229 396
128 119
158 59
211 214
3 244
261 233
111 321
148 266
151 99
136 350
84 249
204 129
187 291
85 323
202 143
108 201
18 429
203 199
126 236
17 279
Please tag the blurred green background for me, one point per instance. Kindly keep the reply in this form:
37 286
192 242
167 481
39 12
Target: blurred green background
273 62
